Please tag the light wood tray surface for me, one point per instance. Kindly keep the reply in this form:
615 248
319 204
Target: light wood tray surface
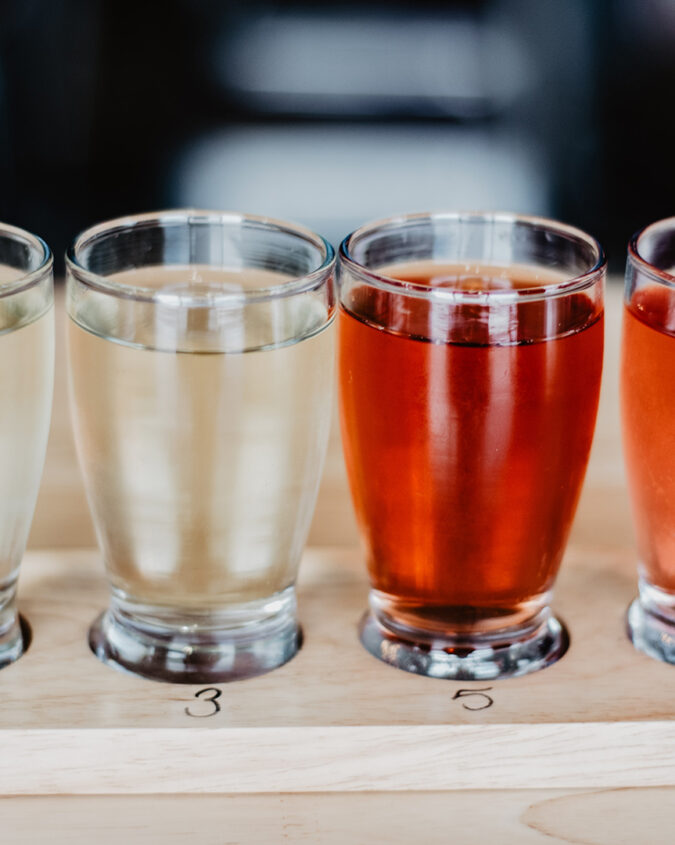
333 718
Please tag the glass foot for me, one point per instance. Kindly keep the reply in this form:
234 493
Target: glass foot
507 654
14 631
651 633
14 640
201 648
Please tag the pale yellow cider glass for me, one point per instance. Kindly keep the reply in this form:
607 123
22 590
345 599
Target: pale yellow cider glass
200 354
26 385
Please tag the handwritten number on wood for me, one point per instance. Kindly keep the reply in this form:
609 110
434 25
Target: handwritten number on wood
210 694
481 700
482 693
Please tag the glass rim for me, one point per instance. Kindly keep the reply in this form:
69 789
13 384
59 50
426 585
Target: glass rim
657 275
290 287
399 286
26 279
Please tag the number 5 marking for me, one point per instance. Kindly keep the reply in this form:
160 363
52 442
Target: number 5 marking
482 692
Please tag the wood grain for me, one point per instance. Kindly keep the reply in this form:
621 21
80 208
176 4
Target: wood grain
525 817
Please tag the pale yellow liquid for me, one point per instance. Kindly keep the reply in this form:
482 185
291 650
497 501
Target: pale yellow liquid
26 383
201 469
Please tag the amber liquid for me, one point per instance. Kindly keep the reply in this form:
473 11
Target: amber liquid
648 409
466 436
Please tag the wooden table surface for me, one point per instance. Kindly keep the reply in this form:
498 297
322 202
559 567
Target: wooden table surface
549 814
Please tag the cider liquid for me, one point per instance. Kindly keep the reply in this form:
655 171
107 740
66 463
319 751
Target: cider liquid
466 455
201 469
26 385
648 411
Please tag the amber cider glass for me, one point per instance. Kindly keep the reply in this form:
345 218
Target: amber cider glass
648 415
470 356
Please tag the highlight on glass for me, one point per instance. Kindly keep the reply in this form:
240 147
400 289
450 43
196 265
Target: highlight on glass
470 356
201 362
648 417
26 386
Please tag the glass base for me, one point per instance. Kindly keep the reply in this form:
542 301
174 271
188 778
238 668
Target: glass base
651 623
14 641
508 653
197 648
14 631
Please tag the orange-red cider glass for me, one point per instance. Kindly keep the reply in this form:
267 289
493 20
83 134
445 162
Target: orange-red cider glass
470 355
648 416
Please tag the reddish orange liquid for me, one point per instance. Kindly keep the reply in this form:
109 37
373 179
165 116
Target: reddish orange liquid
648 410
466 455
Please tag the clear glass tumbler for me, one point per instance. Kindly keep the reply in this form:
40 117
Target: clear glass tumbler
648 415
201 359
470 355
26 384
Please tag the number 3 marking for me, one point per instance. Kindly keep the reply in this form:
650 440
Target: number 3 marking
213 698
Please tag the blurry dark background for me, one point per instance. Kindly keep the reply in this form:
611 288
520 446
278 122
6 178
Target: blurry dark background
334 113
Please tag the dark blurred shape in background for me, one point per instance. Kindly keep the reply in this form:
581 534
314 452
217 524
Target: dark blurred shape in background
334 113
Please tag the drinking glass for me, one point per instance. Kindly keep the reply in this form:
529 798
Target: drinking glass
470 355
26 383
200 359
648 414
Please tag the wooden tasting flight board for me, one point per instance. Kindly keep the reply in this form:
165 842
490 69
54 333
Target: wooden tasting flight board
336 747
334 719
